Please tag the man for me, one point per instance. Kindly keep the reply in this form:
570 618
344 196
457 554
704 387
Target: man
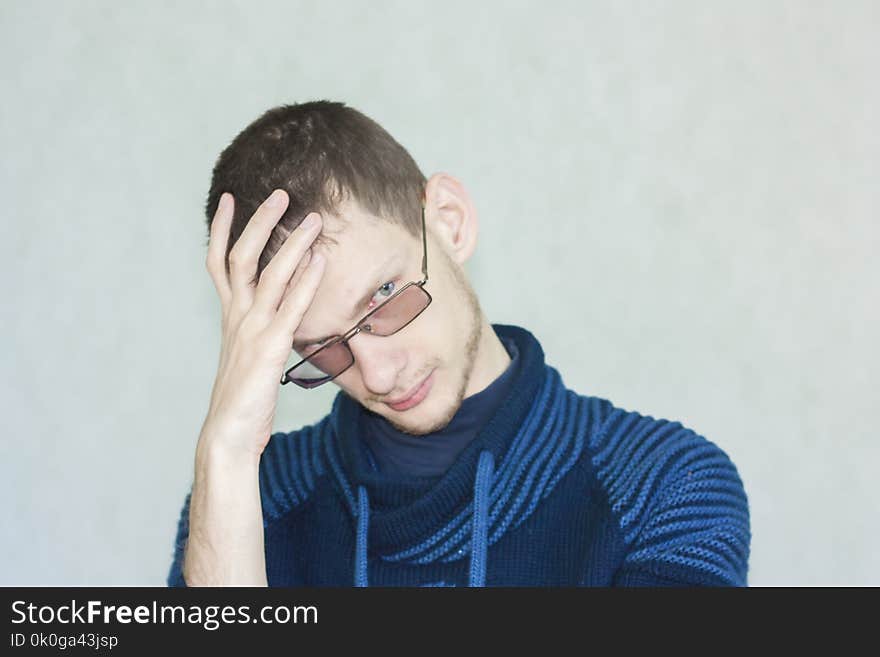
453 454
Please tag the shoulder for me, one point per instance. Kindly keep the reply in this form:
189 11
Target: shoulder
677 497
290 467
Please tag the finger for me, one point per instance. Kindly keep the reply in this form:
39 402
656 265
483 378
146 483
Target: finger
246 252
276 274
295 305
297 276
219 238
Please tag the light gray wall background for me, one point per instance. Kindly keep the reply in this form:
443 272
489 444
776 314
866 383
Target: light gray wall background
678 198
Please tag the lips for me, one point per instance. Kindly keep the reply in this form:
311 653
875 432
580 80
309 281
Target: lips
415 397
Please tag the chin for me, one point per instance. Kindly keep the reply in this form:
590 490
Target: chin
416 427
433 414
430 416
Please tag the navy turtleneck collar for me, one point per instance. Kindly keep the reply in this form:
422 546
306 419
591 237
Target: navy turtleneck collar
395 452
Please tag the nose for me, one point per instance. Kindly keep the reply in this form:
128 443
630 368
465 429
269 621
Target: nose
379 360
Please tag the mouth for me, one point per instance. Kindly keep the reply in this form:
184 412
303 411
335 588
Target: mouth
415 397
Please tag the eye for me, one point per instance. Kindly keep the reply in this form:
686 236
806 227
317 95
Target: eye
382 294
312 348
386 290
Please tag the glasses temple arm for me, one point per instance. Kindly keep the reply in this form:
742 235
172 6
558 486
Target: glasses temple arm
424 247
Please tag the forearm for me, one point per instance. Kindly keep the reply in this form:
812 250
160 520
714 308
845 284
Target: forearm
225 546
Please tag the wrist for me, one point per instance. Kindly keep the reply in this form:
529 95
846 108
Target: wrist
212 450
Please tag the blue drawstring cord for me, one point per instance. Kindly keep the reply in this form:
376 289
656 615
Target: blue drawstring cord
479 538
360 552
479 542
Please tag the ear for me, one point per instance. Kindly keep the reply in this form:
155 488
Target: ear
450 216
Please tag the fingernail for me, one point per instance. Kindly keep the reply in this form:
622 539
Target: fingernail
224 201
316 261
310 221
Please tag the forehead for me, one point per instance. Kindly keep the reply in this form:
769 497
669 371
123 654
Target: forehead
362 249
357 239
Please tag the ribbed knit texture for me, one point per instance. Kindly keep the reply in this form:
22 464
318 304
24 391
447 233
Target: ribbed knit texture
557 489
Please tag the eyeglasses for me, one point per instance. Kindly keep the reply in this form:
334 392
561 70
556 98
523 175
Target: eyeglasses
332 359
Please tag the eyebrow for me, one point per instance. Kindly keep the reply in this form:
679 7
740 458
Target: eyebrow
355 312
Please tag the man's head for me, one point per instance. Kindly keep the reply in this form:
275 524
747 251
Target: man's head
334 160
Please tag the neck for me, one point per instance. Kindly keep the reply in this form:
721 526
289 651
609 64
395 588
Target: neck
491 359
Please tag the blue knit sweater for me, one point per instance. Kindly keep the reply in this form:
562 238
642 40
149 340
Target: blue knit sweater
556 489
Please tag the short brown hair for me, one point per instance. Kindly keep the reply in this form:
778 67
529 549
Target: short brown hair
322 153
